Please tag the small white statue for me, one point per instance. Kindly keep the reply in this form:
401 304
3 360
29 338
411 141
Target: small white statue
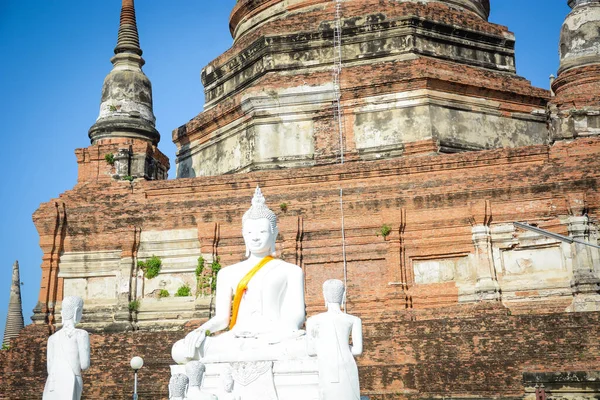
328 338
260 300
227 382
68 355
178 385
195 372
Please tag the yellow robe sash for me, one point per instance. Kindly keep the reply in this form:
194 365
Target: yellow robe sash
242 287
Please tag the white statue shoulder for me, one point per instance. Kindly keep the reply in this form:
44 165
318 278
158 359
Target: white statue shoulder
82 333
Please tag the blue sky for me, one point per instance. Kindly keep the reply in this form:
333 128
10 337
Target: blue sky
55 57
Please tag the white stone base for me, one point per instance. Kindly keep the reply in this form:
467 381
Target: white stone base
294 379
585 303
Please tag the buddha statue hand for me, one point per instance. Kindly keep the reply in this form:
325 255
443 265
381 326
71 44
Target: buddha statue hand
194 340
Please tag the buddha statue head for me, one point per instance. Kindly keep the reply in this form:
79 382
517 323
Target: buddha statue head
259 227
72 309
195 371
178 385
333 291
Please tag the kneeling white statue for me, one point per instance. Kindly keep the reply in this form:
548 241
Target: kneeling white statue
328 338
68 355
227 382
178 386
260 300
195 371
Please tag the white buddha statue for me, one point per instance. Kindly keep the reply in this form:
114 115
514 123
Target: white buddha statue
195 372
68 355
260 300
178 385
227 383
328 336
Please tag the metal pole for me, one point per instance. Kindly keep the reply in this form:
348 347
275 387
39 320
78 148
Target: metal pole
135 396
553 235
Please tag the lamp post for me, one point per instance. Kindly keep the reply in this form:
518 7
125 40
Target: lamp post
136 364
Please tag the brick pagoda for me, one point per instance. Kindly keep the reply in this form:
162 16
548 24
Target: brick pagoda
398 147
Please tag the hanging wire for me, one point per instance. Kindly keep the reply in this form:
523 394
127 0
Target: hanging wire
338 117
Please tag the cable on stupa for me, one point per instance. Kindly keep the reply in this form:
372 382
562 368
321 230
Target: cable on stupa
339 118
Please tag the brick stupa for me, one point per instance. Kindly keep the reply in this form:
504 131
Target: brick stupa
445 147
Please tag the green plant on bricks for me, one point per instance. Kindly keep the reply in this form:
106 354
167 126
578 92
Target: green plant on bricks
199 276
203 284
215 267
134 305
384 231
163 293
199 267
110 158
184 291
151 267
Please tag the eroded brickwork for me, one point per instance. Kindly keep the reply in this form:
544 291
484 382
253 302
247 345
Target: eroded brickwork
431 204
477 351
410 71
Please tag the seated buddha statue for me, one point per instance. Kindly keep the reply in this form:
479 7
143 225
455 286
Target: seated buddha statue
258 302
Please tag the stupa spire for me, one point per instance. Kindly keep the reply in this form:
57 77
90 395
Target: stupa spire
128 40
14 319
126 110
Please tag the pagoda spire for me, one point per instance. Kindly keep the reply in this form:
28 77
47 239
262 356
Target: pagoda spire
14 319
128 40
126 110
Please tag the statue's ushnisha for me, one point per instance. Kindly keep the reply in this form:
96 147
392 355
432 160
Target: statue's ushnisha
260 298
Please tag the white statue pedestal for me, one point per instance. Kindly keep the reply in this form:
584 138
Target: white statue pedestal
293 379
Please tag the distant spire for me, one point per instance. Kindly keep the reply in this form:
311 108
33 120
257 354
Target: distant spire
128 40
14 319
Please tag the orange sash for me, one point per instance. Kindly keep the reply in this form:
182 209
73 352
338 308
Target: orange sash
242 287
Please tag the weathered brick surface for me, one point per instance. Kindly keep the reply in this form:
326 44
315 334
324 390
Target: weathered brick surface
307 17
464 352
514 94
481 355
280 51
93 166
430 201
578 88
23 367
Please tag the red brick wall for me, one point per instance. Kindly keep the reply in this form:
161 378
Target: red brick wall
578 88
435 199
476 351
